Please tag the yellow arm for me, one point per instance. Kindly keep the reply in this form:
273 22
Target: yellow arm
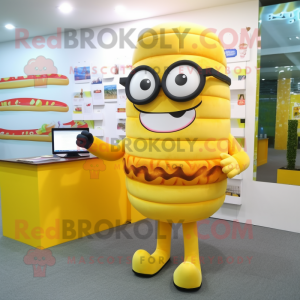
107 151
236 161
238 153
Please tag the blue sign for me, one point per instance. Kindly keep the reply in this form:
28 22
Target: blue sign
230 53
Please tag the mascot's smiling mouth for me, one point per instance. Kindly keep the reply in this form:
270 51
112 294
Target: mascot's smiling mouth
168 122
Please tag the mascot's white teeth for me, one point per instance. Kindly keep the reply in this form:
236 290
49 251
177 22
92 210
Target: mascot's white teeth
167 122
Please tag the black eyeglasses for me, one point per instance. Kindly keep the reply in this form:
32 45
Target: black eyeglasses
182 81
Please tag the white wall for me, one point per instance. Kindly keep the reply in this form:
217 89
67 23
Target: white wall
265 204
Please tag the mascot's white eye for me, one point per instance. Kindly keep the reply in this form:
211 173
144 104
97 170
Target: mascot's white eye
182 81
142 85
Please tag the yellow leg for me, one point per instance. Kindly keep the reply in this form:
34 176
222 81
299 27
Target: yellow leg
145 264
188 274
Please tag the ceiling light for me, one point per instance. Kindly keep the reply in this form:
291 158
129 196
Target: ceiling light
276 67
290 38
9 26
281 71
120 9
65 8
263 79
297 37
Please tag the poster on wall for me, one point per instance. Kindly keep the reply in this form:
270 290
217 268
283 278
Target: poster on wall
43 133
97 95
121 126
96 80
240 51
78 101
82 73
33 104
110 93
97 91
83 105
241 99
88 105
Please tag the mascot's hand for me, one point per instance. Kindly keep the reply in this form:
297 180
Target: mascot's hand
230 165
85 139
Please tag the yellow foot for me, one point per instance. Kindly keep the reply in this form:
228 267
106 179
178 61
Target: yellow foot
187 276
145 264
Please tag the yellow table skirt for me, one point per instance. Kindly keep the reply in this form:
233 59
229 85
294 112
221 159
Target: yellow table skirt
49 204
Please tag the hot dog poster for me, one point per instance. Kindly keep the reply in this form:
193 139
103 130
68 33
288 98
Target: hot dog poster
32 93
41 134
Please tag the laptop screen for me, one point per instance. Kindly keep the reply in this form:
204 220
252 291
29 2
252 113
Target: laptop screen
64 140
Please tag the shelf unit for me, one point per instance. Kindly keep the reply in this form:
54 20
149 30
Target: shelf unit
238 111
238 132
238 177
233 200
238 85
121 132
121 116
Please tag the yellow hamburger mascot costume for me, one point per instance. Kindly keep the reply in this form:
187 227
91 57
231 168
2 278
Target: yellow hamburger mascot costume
178 150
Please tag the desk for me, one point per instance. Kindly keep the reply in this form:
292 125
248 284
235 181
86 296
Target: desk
48 203
262 151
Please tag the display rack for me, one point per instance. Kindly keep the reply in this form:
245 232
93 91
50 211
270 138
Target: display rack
238 85
238 112
233 200
121 133
238 132
121 116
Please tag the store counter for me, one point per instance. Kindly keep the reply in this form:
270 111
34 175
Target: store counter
262 151
48 203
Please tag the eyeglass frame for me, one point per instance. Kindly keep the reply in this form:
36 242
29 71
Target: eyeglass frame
203 73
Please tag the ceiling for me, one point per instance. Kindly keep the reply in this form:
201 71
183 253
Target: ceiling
41 17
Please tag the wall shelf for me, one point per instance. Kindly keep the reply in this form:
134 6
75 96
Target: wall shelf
238 85
121 132
238 132
121 116
233 200
238 177
238 111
